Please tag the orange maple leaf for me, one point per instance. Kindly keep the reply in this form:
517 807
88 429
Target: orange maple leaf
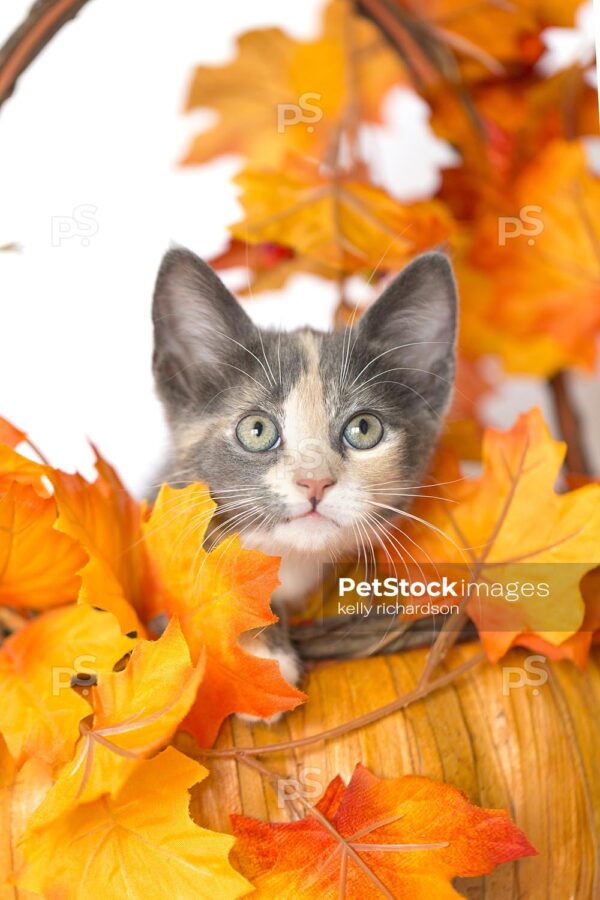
486 36
217 597
517 117
10 434
107 522
548 286
14 467
406 837
536 300
38 565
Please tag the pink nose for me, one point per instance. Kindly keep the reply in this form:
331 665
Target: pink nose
315 487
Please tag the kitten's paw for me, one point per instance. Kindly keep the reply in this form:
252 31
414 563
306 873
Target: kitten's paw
289 666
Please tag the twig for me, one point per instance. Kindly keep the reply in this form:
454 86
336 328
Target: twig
45 19
418 693
11 621
347 637
576 461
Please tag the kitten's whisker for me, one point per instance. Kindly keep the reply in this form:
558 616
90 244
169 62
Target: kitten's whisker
347 356
230 387
231 525
391 350
380 533
402 369
259 383
414 487
279 357
360 547
416 518
226 539
246 349
274 383
193 525
369 544
408 387
384 524
417 496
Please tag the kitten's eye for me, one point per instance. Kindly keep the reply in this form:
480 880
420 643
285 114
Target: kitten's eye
363 432
257 433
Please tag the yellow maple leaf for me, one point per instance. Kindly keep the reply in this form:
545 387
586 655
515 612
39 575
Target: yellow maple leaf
135 712
336 220
40 712
510 526
138 843
21 792
280 94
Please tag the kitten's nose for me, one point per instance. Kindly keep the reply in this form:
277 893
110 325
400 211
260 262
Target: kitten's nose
315 487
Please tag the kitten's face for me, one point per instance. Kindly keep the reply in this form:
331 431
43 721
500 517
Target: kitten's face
308 441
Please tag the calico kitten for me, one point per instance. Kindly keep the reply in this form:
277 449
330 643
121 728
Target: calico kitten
308 441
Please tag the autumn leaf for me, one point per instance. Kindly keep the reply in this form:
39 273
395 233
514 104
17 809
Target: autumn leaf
40 712
548 287
10 435
21 792
134 713
575 648
269 265
405 837
106 521
510 525
280 94
338 221
517 117
463 430
14 467
486 36
217 597
38 565
142 835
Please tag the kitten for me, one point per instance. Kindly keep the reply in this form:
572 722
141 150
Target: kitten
306 440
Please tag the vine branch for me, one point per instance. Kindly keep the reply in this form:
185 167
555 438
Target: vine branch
576 461
418 693
44 20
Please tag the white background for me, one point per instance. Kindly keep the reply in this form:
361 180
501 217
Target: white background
97 122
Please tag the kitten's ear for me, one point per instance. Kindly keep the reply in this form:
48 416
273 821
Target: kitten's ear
195 321
413 324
